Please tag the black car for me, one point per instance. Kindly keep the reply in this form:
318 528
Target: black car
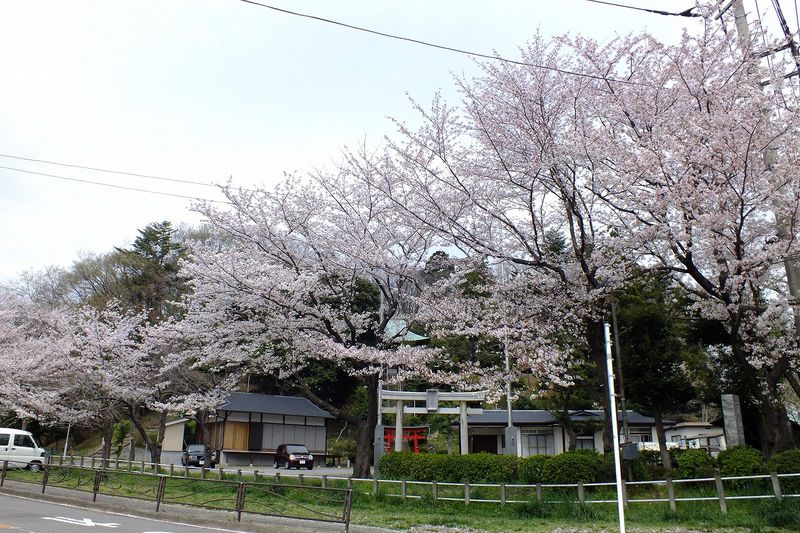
296 455
195 454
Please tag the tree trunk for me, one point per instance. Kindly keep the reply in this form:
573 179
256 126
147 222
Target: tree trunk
366 430
108 434
201 418
666 460
154 447
775 428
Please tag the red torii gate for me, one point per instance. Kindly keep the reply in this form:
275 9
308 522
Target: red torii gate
414 435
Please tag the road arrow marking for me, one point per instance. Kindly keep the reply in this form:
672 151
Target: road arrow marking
88 522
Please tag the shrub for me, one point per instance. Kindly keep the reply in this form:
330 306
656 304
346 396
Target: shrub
787 462
531 468
571 467
396 465
694 464
474 468
647 466
741 461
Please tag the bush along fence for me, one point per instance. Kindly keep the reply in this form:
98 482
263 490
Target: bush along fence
307 502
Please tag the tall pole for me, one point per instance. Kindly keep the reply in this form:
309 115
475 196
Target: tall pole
612 397
625 431
770 158
66 441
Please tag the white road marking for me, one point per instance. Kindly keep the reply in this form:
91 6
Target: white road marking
195 526
88 522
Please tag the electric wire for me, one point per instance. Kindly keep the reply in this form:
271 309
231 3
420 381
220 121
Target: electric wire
113 186
439 46
684 13
109 171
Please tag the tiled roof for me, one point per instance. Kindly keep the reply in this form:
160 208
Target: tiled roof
245 402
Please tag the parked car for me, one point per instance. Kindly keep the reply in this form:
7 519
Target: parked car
20 449
293 455
195 455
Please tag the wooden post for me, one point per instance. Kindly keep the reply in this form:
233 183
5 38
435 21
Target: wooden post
92 462
255 475
300 478
240 495
671 495
374 485
466 493
221 473
723 505
325 481
171 470
96 486
116 463
45 477
82 458
434 491
624 493
502 493
162 481
403 489
776 485
581 493
185 470
539 492
350 482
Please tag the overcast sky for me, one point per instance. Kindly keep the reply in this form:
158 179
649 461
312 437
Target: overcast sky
203 90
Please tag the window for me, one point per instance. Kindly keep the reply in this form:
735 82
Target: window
538 442
4 438
641 435
24 441
584 443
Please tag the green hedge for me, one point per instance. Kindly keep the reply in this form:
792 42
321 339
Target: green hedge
531 468
694 464
741 461
571 467
787 462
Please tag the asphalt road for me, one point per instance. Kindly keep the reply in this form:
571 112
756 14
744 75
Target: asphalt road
36 516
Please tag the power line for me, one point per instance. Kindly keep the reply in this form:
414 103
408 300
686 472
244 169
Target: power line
122 172
684 13
439 46
112 186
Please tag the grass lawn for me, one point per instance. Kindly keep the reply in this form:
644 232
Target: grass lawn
424 514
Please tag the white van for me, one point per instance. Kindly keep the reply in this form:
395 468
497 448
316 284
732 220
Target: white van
20 449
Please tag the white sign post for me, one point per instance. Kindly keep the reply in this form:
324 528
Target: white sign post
612 396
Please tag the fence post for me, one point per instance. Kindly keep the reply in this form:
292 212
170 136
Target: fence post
723 505
467 490
96 486
171 469
403 489
45 476
539 492
130 465
116 463
502 493
776 485
671 495
240 501
300 477
82 458
350 482
277 477
71 460
348 503
3 475
624 494
434 490
221 473
142 466
239 473
255 475
162 482
581 493
374 484
60 460
92 462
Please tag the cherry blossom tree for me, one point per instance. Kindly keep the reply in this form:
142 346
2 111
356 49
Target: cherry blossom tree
313 270
684 173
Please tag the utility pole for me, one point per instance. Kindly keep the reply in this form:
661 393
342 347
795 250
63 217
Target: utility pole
784 227
625 431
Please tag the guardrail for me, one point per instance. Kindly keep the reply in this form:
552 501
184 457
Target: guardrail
323 504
